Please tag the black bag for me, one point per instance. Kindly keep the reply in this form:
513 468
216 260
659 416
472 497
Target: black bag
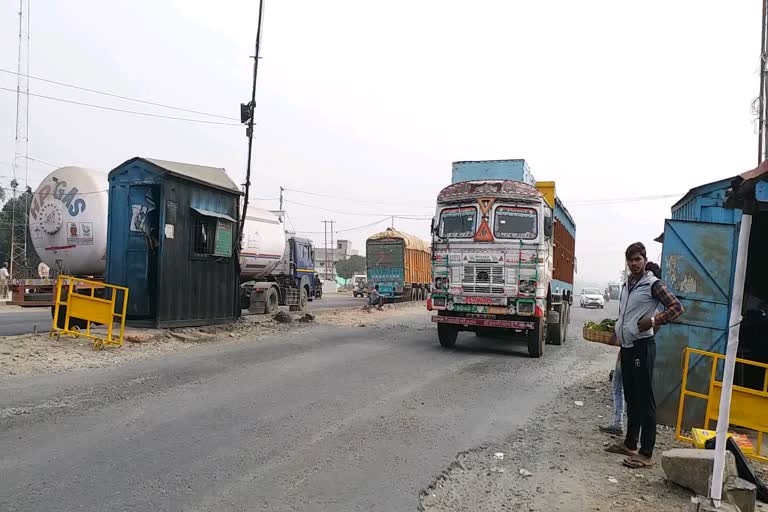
743 467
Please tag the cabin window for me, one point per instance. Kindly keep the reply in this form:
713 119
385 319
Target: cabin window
212 236
458 222
515 223
204 235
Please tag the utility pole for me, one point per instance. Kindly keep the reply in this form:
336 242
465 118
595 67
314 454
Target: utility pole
333 253
281 203
762 100
246 116
325 245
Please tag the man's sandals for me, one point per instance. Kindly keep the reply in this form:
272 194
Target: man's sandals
633 460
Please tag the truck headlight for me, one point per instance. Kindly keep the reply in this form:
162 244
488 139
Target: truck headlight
441 283
527 287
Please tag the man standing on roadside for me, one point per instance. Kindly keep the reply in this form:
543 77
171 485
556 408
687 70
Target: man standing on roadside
4 281
640 298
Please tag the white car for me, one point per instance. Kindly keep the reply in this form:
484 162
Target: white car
592 298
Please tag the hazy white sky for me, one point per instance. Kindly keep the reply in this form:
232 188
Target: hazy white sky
372 101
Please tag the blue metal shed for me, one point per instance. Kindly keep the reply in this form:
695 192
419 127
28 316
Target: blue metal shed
698 263
171 240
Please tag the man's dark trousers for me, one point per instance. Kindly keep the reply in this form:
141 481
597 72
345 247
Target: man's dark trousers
637 375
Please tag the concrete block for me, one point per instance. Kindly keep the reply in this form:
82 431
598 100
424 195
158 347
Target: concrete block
738 492
702 504
692 467
741 493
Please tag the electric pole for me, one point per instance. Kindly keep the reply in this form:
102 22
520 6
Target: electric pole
246 116
333 254
325 246
762 107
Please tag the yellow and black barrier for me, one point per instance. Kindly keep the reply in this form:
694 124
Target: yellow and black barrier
749 406
77 298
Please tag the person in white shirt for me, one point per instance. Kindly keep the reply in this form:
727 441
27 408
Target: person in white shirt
4 280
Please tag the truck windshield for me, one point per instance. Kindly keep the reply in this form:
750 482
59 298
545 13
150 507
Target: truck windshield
513 222
458 222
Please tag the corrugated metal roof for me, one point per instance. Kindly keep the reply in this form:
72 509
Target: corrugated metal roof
214 176
411 242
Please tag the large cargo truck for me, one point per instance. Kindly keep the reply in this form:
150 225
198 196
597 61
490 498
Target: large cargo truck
399 264
503 256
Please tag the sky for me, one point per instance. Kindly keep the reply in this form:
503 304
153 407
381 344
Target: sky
370 102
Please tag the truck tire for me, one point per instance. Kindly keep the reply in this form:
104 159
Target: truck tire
270 306
303 299
537 338
447 335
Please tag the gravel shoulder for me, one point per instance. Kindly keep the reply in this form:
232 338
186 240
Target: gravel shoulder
563 451
36 354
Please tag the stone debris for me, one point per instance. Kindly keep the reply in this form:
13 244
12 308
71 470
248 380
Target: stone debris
692 467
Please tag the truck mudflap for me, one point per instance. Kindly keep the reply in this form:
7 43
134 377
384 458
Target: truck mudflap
484 322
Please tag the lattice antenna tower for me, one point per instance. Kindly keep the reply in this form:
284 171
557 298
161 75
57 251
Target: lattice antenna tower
19 220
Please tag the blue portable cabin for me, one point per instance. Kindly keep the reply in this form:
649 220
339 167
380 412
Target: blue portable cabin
171 239
698 265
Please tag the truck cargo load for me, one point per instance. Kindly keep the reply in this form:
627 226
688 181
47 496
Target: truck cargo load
399 264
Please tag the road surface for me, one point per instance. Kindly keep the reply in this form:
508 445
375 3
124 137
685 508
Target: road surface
358 418
17 321
24 322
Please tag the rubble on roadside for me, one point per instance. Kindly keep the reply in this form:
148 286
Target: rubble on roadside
32 354
557 462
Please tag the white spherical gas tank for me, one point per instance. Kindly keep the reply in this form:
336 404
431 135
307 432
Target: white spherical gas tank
263 244
68 220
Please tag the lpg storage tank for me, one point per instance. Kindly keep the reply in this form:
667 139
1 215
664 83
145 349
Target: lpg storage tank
68 221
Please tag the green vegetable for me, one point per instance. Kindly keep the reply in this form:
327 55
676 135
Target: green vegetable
607 325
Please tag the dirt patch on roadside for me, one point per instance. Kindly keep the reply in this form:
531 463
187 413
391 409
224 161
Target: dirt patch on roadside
34 354
557 462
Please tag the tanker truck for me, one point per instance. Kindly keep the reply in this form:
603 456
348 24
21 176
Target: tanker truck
275 269
502 256
68 228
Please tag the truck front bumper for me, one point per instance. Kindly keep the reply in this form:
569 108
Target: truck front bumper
484 322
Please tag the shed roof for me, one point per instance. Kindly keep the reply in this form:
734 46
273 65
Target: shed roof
215 177
411 242
701 190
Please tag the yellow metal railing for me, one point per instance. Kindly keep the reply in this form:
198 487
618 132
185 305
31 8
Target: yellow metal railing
91 309
749 407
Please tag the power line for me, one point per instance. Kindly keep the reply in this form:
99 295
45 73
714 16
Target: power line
347 229
147 114
112 95
375 214
593 202
318 194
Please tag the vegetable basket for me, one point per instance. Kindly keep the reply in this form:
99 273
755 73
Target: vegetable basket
597 336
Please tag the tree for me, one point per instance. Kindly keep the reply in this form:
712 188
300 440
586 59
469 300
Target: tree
6 220
351 266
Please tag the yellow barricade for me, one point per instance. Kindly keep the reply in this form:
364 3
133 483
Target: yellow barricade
749 407
79 298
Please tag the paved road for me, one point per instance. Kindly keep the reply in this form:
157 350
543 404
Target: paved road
26 321
335 419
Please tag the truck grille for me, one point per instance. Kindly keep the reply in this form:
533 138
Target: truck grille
483 279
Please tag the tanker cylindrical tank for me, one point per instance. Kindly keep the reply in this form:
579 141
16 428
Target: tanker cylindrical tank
68 221
263 244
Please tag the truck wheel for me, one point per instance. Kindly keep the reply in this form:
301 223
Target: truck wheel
447 335
303 299
270 306
537 338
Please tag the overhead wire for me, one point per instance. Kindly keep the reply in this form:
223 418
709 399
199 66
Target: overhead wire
125 111
119 96
332 196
